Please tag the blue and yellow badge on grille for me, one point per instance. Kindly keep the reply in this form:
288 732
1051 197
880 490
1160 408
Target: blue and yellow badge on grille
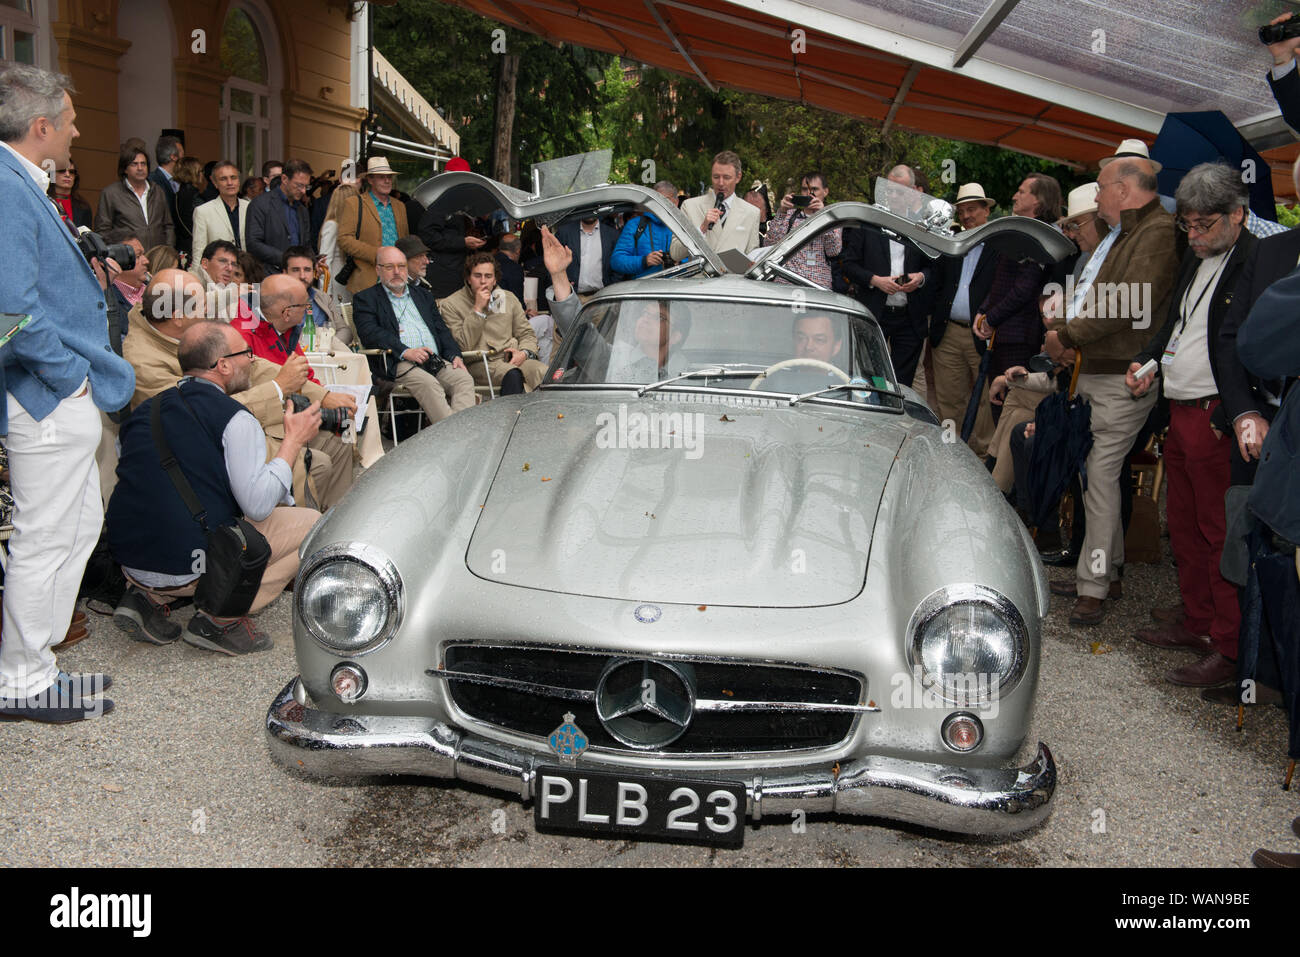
567 740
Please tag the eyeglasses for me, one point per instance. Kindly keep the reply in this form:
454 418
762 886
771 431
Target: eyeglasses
391 266
1199 229
231 355
69 171
1075 227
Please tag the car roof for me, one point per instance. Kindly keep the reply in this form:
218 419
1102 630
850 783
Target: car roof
729 287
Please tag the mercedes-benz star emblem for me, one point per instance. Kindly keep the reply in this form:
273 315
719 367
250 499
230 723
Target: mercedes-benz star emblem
645 704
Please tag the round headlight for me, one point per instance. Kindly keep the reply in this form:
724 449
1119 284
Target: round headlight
349 600
969 642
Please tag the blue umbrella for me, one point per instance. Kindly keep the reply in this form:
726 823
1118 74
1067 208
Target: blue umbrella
1062 441
1189 139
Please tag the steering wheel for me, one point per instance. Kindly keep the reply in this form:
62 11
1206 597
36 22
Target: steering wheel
795 363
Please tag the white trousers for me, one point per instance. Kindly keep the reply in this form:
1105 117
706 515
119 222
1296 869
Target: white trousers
57 517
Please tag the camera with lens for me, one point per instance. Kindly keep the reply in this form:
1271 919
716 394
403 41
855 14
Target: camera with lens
434 364
1277 32
93 246
331 420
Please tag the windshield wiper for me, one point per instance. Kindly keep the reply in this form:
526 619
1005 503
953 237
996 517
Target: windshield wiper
857 385
716 372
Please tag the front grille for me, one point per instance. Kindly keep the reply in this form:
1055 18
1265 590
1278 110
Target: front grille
569 676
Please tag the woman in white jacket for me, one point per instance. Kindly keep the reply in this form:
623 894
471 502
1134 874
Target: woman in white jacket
329 239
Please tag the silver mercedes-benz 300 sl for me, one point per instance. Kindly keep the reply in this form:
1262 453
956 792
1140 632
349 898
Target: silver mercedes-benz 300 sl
721 567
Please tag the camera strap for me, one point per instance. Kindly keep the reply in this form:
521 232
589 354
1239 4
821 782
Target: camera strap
169 463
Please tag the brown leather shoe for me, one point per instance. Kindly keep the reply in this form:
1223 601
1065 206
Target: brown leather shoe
1213 669
1295 826
78 618
1088 611
1231 695
1070 589
1172 615
1267 858
75 634
1175 636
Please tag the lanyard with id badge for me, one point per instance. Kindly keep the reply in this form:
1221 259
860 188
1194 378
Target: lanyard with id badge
1171 348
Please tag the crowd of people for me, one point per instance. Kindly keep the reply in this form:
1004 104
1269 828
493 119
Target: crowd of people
203 385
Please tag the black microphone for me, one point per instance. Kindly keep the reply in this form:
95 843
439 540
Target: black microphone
720 202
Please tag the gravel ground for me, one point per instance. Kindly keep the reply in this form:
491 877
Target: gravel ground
179 774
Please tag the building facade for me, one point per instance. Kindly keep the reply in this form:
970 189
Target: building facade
247 80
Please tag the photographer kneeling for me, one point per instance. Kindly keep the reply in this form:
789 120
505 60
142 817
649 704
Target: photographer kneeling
221 453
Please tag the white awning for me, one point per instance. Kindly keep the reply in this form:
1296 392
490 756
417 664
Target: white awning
1060 79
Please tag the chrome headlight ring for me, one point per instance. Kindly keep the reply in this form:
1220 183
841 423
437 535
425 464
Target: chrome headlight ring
948 598
388 581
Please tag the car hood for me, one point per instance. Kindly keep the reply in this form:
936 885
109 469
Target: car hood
737 505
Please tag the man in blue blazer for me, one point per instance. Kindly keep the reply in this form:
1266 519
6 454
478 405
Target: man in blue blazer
421 353
590 240
57 372
279 218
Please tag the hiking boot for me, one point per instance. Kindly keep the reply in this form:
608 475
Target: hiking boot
144 619
232 636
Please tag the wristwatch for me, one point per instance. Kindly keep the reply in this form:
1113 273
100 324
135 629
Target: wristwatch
532 355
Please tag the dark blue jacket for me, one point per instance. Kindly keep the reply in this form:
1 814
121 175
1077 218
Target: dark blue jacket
512 275
1268 345
570 235
630 251
149 525
1287 93
377 326
268 230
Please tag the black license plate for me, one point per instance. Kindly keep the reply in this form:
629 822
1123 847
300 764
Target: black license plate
636 806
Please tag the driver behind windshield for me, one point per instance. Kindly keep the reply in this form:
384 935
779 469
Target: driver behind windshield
818 337
640 358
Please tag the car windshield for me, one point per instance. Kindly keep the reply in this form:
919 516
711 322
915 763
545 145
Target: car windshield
793 348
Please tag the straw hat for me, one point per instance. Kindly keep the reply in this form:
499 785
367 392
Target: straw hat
1135 149
378 166
1081 201
973 193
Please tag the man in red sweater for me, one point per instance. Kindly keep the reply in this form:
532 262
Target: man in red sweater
273 331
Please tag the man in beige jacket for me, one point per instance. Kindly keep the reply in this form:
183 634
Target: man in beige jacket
151 348
1128 279
483 317
382 223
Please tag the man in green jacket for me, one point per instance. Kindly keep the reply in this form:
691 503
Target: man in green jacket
1109 320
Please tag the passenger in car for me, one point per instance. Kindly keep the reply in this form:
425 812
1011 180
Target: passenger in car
641 358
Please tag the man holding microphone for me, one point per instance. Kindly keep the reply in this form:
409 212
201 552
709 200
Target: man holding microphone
57 372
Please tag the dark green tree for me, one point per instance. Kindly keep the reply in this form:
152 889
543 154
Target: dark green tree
451 55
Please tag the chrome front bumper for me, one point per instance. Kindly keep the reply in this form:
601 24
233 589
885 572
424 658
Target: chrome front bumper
961 800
